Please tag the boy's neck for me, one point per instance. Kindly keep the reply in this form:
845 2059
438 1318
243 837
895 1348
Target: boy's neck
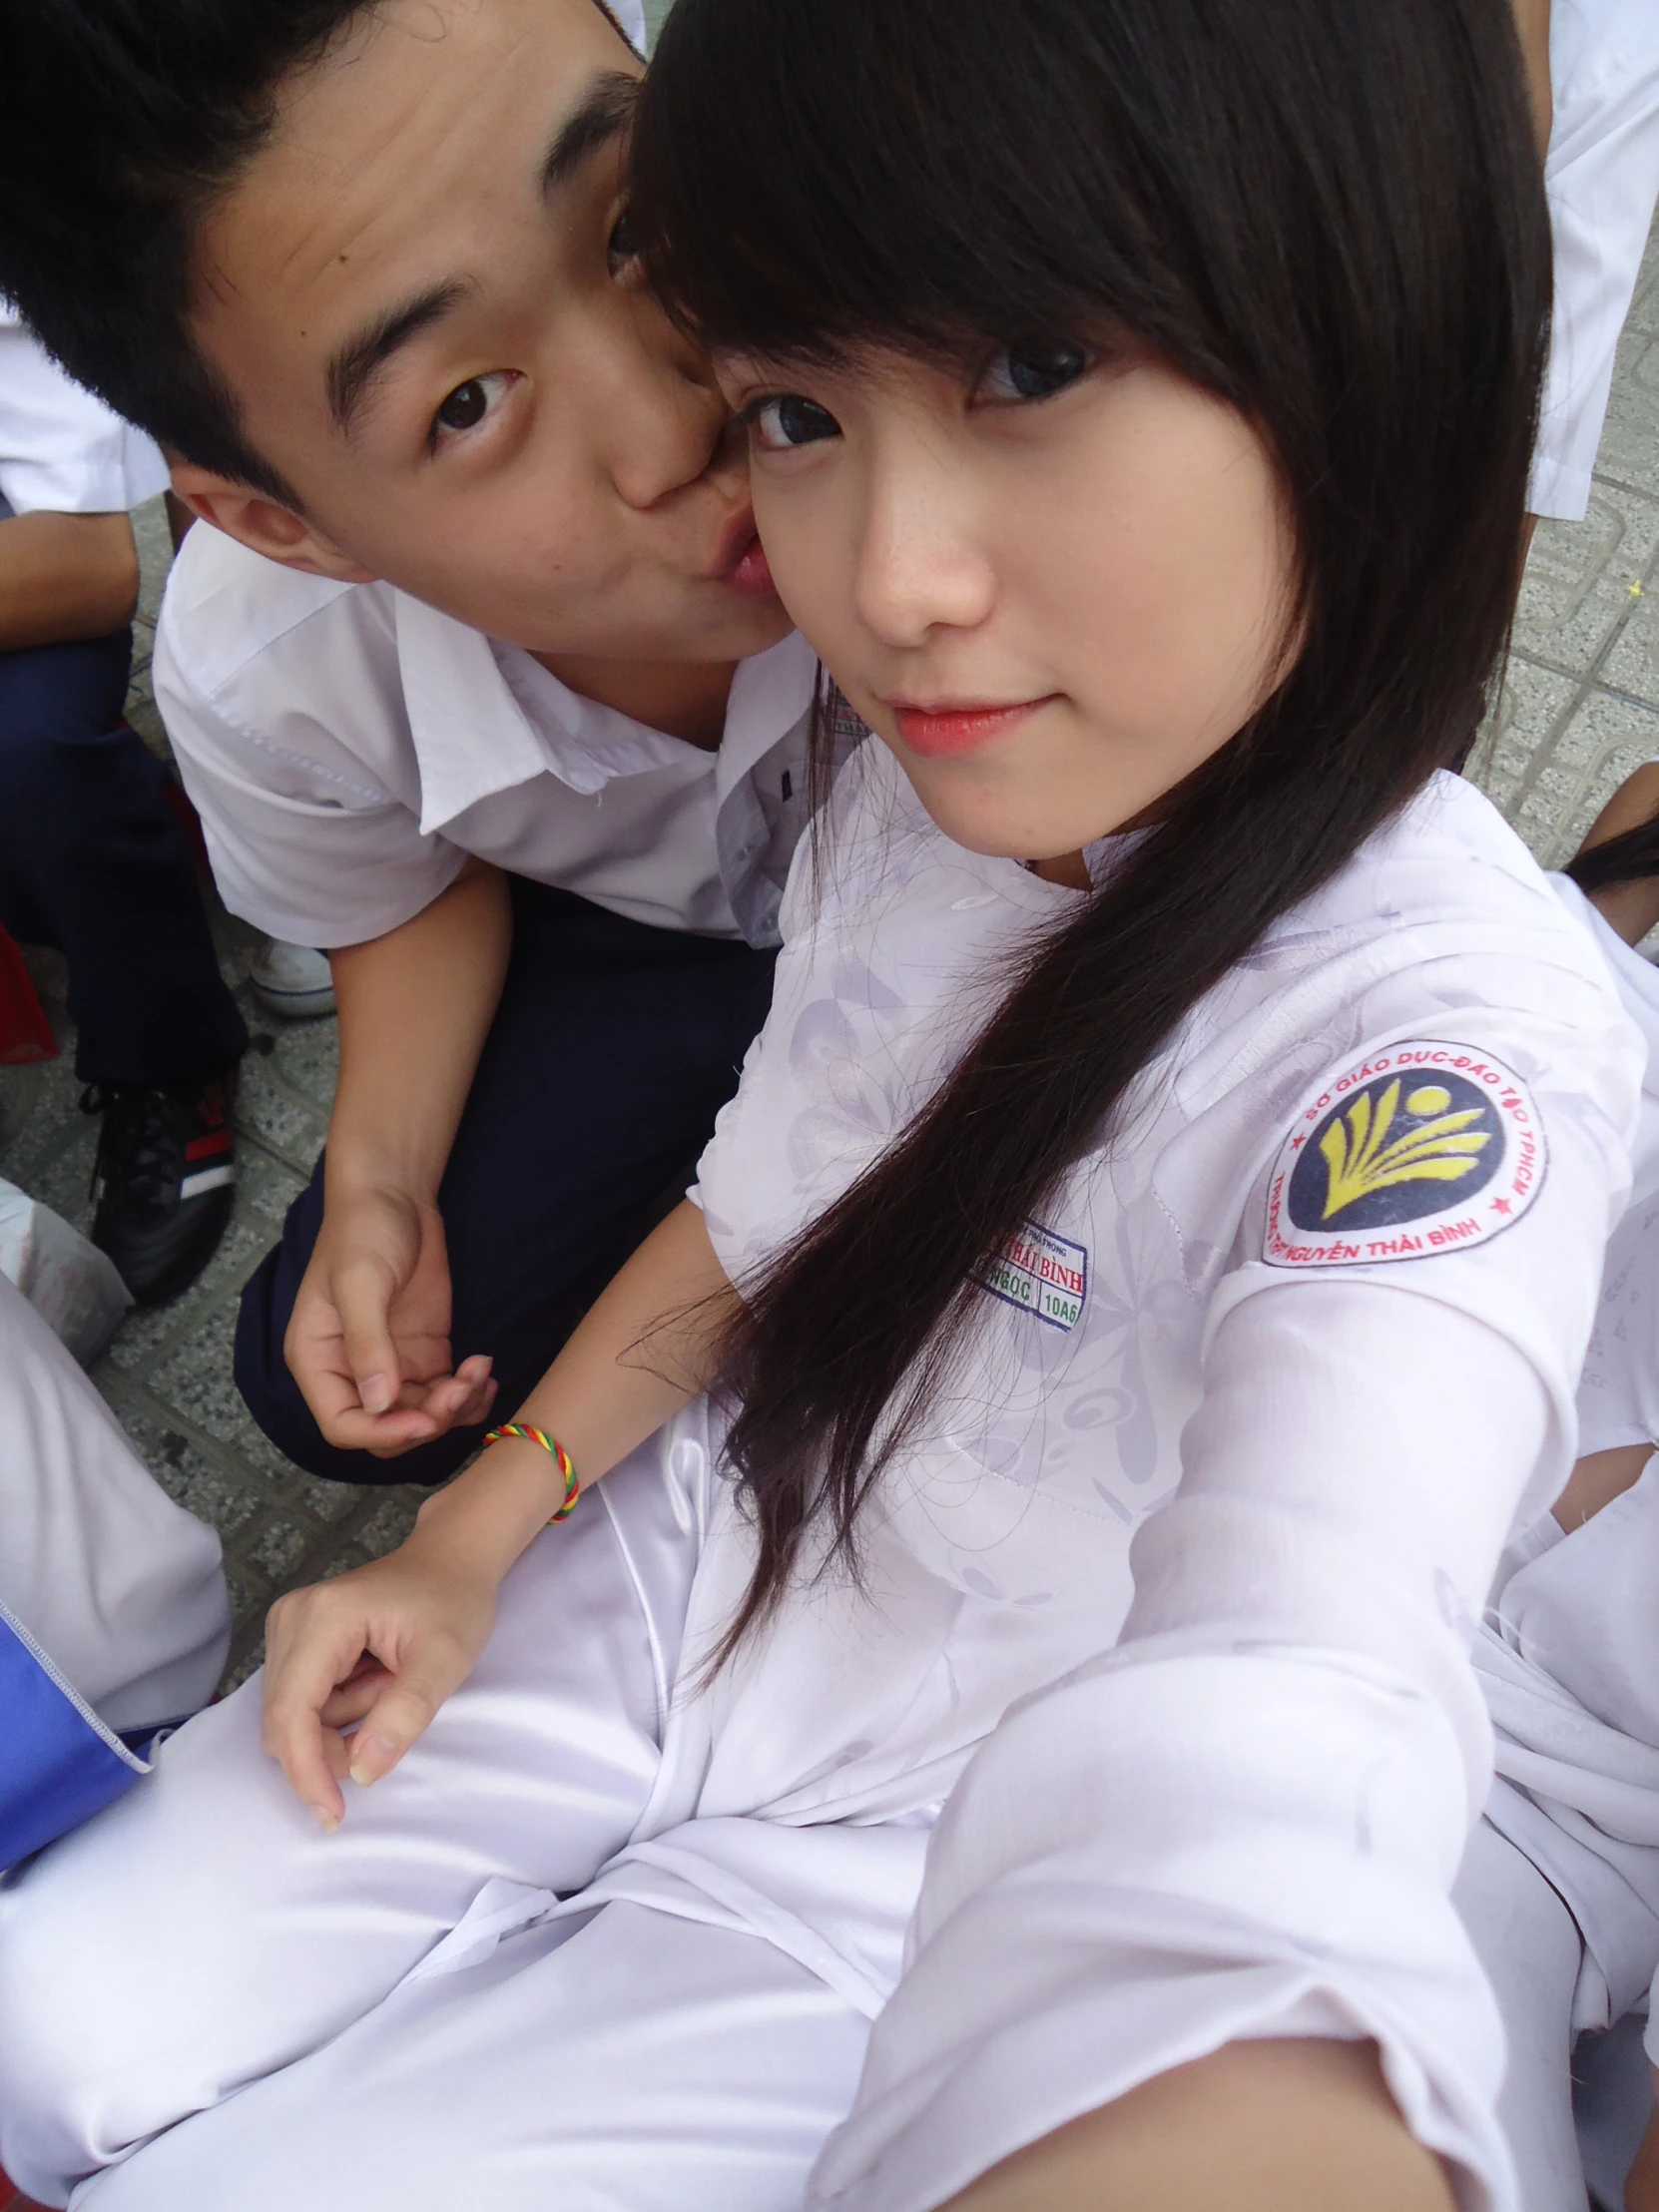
684 698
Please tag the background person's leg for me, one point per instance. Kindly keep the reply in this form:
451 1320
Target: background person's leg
614 1047
642 2061
93 861
121 1588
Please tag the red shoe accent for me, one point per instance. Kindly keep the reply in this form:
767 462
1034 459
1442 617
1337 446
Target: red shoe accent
189 821
25 1032
210 1146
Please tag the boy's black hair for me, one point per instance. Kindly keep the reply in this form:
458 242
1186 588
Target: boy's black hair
1329 213
126 121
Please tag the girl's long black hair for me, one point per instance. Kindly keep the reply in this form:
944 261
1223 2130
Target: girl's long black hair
1329 213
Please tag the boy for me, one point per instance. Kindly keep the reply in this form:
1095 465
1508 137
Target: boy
478 680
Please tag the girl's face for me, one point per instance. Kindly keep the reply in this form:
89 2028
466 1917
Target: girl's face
1054 591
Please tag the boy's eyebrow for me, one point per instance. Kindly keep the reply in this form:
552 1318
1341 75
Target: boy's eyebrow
356 365
604 113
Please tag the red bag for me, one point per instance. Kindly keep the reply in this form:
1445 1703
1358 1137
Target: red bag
25 1032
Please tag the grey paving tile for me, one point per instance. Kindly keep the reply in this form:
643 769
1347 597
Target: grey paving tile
1579 578
1605 738
1533 702
278 1549
195 1380
1631 442
1633 660
390 1523
250 1597
293 1126
306 1057
184 1470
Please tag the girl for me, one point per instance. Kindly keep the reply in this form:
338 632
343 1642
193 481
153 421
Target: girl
1184 1118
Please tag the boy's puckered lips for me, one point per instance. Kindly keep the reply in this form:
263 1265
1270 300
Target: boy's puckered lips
743 561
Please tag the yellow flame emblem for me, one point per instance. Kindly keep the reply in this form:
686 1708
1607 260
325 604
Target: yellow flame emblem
1360 1159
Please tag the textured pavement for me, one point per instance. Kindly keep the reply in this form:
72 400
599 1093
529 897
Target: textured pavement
1581 710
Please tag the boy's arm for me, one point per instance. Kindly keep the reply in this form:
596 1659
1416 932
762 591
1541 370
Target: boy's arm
1533 22
384 1645
368 1339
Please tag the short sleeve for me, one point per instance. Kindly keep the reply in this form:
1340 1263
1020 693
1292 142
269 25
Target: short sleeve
304 840
61 449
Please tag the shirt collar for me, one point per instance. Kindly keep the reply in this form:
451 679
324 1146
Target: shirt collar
485 717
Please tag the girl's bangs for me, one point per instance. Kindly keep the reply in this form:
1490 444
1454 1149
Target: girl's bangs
805 194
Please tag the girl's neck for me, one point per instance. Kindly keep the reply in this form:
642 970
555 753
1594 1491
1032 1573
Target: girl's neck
1068 869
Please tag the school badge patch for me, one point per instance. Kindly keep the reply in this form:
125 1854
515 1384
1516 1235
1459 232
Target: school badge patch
1411 1151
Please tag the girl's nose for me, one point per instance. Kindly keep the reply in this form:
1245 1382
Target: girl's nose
920 567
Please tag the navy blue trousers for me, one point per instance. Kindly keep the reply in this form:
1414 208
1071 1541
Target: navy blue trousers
614 1047
93 861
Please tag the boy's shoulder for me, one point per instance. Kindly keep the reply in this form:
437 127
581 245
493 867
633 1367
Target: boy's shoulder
230 618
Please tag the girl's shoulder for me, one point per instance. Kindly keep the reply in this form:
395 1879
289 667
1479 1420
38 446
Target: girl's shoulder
1446 871
1441 933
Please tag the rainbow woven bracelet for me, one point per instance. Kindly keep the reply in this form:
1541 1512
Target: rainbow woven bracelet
561 1460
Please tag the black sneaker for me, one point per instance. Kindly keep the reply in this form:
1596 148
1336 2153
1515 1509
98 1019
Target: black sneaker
163 1179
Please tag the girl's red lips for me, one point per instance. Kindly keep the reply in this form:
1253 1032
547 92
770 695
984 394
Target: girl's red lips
936 732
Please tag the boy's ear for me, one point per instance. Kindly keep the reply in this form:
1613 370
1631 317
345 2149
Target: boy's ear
263 524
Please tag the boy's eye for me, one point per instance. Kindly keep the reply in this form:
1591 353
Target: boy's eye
1034 371
469 403
623 246
779 425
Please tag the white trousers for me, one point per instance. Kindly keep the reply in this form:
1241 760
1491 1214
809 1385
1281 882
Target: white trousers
120 1586
209 2006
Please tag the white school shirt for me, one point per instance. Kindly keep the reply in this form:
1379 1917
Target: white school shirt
61 449
348 746
1315 1434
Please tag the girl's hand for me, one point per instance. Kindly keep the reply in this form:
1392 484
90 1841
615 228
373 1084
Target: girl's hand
381 1648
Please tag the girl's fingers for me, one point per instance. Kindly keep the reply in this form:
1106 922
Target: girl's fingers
404 1709
318 1638
347 1706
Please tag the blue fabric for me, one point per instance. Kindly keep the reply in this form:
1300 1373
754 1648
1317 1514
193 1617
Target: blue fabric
57 1763
93 861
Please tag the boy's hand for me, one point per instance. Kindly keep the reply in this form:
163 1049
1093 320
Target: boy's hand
368 1339
381 1647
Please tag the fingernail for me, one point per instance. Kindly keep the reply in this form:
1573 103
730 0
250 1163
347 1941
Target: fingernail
328 1818
370 1759
376 1393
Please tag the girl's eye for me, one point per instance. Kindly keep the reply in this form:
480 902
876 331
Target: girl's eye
469 403
621 247
1034 371
779 425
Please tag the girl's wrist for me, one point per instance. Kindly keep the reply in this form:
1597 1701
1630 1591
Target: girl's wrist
497 1508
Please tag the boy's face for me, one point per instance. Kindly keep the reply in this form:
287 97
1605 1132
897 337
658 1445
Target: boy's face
422 298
